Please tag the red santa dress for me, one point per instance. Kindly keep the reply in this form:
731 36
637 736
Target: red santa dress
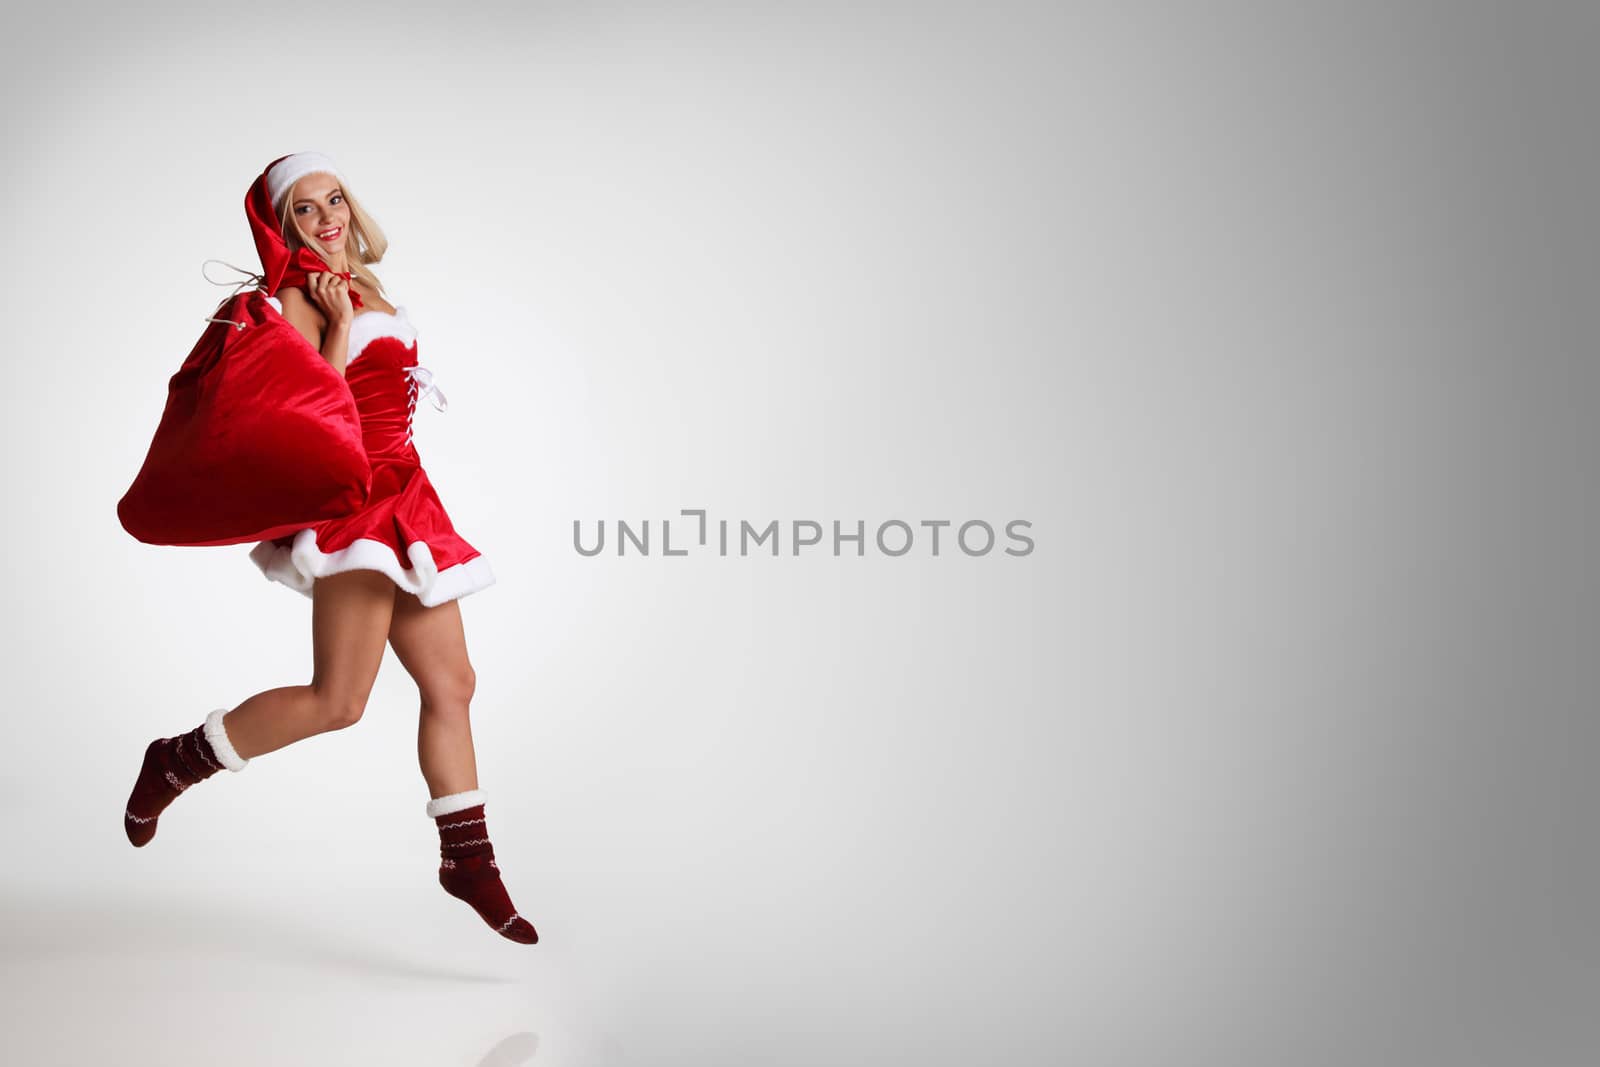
403 531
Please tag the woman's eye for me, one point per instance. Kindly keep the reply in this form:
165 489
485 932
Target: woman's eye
337 198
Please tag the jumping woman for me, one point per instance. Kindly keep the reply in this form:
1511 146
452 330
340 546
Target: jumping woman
393 571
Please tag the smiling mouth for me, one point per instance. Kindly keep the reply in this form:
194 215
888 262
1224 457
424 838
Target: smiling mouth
329 235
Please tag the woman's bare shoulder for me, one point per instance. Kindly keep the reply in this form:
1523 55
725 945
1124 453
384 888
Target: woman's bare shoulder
302 314
295 297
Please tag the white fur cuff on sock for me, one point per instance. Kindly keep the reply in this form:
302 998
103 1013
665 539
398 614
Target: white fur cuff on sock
454 802
217 738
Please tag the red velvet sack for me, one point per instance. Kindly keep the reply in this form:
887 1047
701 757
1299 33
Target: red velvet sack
260 437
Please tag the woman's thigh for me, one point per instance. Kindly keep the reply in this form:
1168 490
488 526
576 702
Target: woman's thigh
431 644
350 615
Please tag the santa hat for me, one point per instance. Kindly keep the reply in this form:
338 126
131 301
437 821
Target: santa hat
279 266
283 173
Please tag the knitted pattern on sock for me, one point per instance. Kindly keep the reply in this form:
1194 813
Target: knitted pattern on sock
468 871
171 765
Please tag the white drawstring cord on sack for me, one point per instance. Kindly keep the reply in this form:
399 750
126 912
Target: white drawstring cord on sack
251 280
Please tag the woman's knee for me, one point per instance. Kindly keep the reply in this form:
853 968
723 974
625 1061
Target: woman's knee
450 693
338 709
351 613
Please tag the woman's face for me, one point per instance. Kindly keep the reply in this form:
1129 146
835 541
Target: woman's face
320 214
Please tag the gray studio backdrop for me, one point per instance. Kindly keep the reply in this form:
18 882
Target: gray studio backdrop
1275 323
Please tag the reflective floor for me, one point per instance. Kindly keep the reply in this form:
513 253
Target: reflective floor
187 979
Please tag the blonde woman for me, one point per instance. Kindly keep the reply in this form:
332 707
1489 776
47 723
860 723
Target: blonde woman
393 572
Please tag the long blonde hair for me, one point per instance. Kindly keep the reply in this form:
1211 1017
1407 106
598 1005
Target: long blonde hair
367 243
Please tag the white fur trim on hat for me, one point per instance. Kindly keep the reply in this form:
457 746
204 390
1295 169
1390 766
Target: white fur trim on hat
454 802
290 169
217 738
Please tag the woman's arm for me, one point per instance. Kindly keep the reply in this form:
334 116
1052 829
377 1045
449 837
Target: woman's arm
331 337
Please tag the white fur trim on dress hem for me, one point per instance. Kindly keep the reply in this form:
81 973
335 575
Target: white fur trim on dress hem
299 564
454 802
217 738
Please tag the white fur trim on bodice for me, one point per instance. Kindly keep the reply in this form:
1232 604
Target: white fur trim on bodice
370 325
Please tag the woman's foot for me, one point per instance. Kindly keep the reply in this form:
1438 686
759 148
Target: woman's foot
171 765
467 867
476 880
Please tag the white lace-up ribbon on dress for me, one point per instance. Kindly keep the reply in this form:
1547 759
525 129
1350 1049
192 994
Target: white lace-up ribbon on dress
421 376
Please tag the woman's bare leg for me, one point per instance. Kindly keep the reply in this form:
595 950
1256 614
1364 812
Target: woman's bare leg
432 646
350 616
349 623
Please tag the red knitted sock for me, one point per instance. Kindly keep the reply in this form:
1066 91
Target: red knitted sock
173 764
467 868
